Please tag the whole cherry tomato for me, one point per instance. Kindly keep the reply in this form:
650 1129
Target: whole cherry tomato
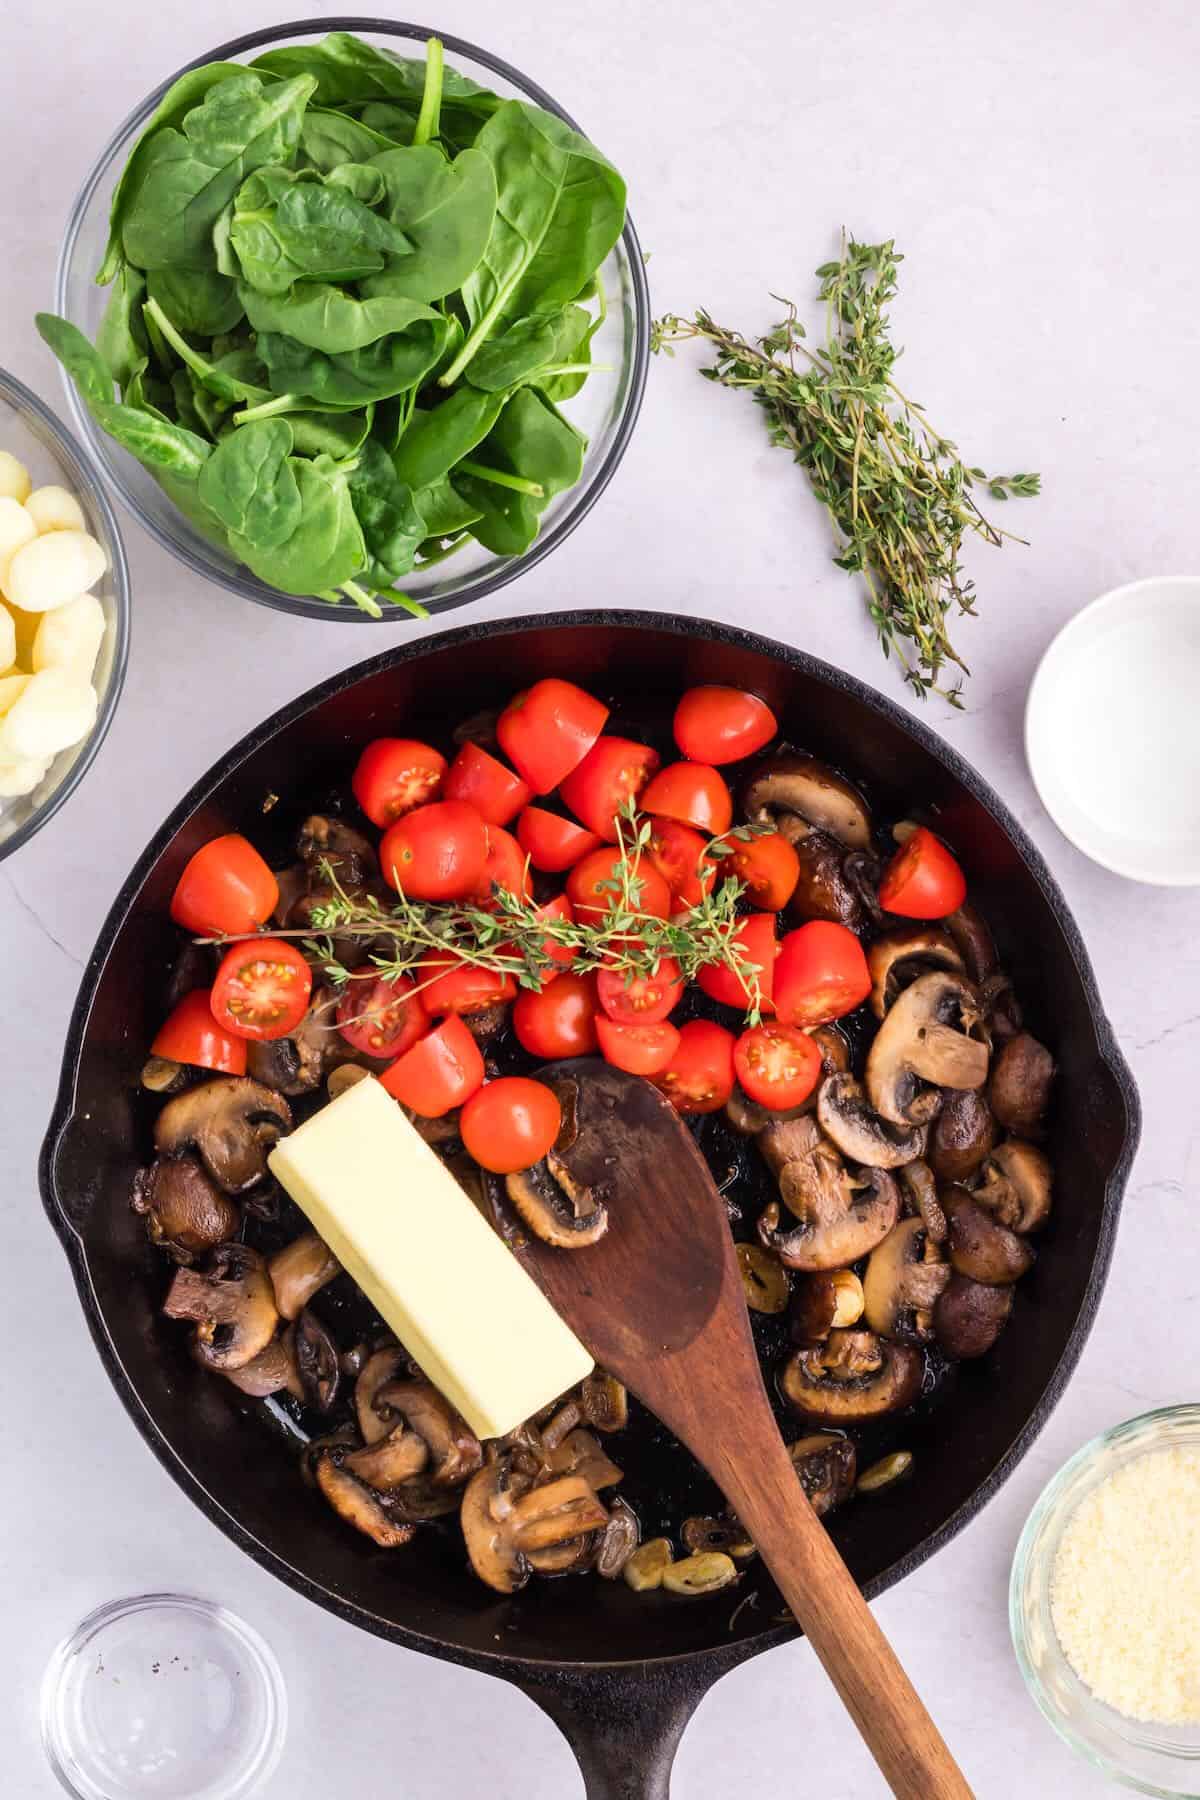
438 852
593 884
510 1123
560 1020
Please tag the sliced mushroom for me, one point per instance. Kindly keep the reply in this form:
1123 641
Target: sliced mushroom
980 1246
621 1537
604 1402
962 1135
358 1504
823 1302
764 1281
970 932
231 1303
860 1134
1019 1090
917 1050
840 1216
384 1466
380 1367
728 1535
184 1209
270 1372
162 1076
829 884
487 1022
322 838
791 786
300 1270
900 955
826 1464
1017 1185
582 1454
921 1190
317 1361
548 1212
554 1511
299 1063
231 1123
454 1451
572 1557
852 1376
905 1275
501 1522
969 1317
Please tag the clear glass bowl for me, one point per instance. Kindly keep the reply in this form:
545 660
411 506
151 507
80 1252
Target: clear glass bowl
1154 1759
163 1697
32 433
605 409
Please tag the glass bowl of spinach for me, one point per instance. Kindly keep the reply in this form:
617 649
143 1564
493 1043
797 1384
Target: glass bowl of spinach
268 430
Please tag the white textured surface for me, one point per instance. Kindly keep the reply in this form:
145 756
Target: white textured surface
1037 165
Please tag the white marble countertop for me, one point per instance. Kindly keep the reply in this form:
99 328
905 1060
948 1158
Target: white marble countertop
1037 166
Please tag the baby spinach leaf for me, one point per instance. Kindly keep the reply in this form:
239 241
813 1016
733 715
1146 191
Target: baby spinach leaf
336 434
286 230
443 509
533 441
197 300
347 70
330 139
392 525
227 378
505 523
184 407
162 446
560 210
437 439
121 339
249 483
185 178
446 210
83 363
536 342
215 415
392 416
325 550
323 317
364 181
390 366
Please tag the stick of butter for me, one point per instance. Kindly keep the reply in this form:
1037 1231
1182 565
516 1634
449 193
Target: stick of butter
449 1287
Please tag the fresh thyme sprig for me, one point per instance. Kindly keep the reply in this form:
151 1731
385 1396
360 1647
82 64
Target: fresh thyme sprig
896 490
516 938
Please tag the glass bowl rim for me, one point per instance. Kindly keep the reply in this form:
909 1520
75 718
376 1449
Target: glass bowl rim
78 465
240 582
1024 1566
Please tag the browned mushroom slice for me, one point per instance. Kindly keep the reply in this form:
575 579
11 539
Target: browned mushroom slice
923 1046
860 1134
969 1317
231 1123
231 1303
980 1246
271 1371
300 1270
962 1135
324 839
840 1216
853 1376
358 1504
728 1535
554 1511
380 1367
454 1451
386 1465
563 1420
604 1402
317 1360
299 1063
970 932
828 884
921 1196
621 1537
550 1214
184 1209
1017 1185
899 956
486 1022
823 1302
791 786
826 1464
905 1275
486 1506
582 1454
1019 1090
572 1557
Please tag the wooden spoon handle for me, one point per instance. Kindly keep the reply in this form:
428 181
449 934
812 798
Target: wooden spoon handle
762 1488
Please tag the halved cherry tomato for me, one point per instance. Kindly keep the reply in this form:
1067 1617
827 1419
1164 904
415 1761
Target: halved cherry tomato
768 866
438 852
922 881
562 954
699 1076
393 776
225 889
722 724
633 999
638 1049
551 842
191 1035
548 730
510 1123
754 942
381 1018
560 1019
614 771
821 974
505 867
777 1065
262 989
680 856
450 985
484 782
692 793
591 892
441 1071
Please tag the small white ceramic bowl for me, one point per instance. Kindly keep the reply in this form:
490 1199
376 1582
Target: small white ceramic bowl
1112 730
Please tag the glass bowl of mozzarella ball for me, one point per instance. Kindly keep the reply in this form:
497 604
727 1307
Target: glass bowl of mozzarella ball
64 614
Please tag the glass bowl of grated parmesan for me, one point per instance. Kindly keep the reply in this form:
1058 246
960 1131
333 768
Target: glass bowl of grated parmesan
1104 1602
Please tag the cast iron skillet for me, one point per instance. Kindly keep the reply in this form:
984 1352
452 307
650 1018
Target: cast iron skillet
620 1673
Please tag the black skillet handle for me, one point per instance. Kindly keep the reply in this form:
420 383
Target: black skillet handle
623 1723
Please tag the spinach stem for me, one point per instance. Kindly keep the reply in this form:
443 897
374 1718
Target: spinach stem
444 550
501 478
267 409
361 598
429 117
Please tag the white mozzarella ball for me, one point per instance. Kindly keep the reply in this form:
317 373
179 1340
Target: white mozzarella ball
17 528
54 711
8 639
14 477
54 569
54 509
70 637
21 776
11 689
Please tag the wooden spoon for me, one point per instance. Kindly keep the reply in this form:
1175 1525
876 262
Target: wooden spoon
658 1300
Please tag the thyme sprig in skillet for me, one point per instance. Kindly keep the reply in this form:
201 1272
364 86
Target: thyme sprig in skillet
898 493
515 938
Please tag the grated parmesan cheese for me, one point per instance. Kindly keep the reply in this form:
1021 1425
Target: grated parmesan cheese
1125 1589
